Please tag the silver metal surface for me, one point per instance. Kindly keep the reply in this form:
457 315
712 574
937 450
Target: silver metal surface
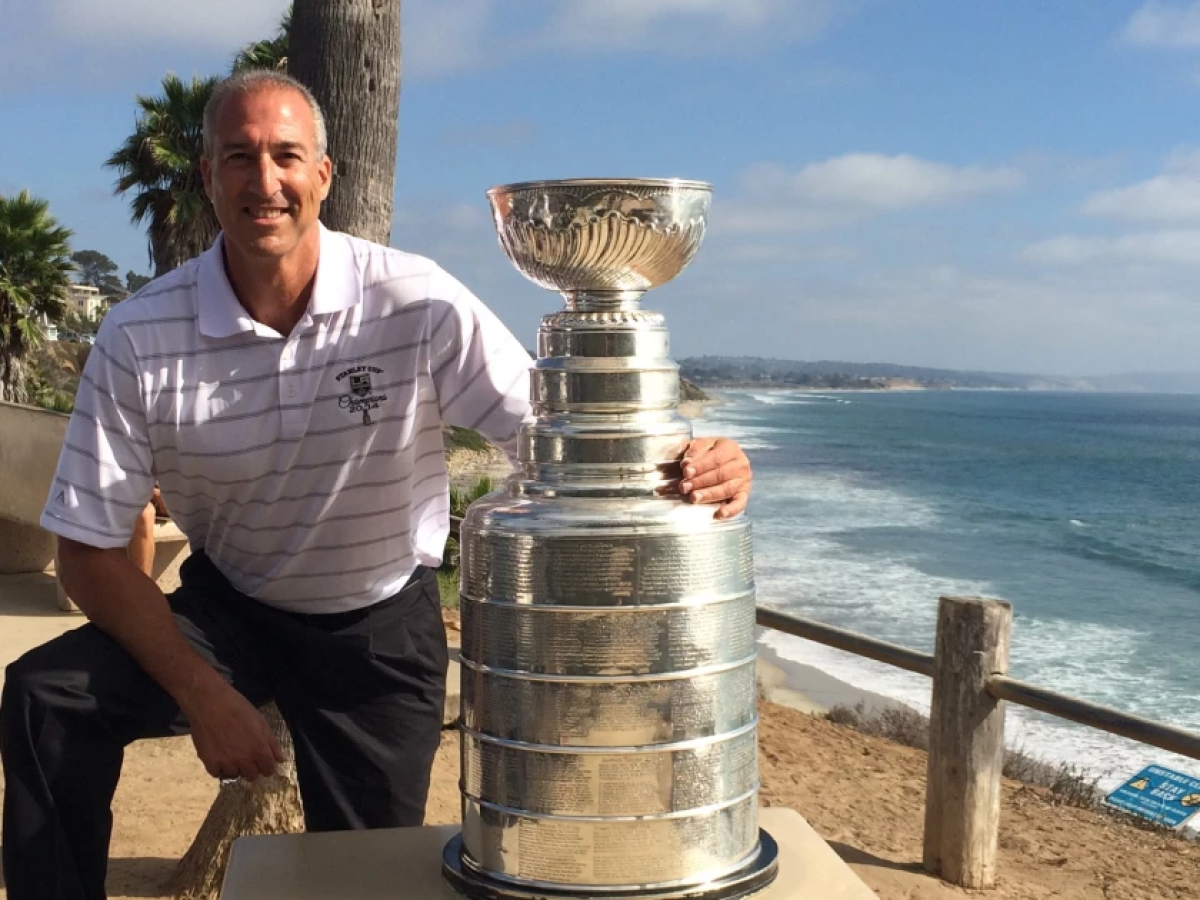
601 236
757 874
609 728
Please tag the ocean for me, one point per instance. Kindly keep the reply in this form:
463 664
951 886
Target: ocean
1082 510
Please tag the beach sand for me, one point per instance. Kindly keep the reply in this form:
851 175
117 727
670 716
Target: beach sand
808 689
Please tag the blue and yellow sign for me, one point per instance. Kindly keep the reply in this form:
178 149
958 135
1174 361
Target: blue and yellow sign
1161 795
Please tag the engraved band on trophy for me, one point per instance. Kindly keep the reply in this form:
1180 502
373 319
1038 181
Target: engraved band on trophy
609 724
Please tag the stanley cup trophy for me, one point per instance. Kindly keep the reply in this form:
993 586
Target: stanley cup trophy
609 724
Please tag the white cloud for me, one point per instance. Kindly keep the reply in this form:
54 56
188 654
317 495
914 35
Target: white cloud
96 46
1165 198
768 216
442 37
847 189
1172 197
1158 24
93 41
672 22
1172 248
218 24
765 253
875 181
1087 320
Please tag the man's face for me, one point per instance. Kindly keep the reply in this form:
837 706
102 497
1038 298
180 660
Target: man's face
265 178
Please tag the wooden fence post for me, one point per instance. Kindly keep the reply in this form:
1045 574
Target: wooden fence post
966 741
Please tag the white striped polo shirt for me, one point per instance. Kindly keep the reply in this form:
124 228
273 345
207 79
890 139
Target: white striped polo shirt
308 467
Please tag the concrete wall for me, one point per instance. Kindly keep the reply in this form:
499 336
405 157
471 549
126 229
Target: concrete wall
30 442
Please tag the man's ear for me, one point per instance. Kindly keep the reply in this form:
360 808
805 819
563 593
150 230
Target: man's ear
206 174
325 173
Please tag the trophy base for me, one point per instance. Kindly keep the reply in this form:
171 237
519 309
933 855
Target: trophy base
751 878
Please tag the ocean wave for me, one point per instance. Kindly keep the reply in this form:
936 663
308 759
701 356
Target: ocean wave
794 398
893 599
803 501
751 437
1089 544
768 399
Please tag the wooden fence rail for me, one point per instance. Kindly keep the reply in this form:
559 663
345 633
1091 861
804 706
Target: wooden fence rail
966 723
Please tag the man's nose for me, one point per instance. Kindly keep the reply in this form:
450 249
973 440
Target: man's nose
266 177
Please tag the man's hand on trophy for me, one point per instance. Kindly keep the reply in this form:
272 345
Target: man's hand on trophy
716 470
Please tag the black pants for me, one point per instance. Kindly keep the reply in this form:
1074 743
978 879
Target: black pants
362 693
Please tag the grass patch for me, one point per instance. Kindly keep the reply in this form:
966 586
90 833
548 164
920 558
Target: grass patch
1066 783
447 573
55 401
467 438
448 588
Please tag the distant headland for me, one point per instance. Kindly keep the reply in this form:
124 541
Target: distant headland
759 372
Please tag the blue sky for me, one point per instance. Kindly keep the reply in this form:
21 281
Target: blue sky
996 184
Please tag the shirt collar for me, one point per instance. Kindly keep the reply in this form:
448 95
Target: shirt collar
338 286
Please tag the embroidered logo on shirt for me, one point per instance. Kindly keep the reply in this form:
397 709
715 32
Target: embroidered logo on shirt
360 398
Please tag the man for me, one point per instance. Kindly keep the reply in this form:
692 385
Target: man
287 390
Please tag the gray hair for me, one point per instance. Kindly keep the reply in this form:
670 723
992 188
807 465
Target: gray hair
252 81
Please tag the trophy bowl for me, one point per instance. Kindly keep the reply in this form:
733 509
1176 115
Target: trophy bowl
589 236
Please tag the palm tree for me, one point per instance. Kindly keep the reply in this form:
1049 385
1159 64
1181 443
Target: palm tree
35 270
159 165
271 53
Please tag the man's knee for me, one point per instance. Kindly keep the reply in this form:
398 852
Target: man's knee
60 685
32 678
26 688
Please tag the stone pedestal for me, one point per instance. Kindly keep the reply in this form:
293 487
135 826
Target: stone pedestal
24 548
407 862
170 550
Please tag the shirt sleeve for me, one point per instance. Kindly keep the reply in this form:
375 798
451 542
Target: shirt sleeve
480 370
105 473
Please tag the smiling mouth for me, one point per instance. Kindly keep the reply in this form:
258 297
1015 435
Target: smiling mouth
266 213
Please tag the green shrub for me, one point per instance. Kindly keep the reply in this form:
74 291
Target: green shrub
56 401
903 725
448 588
467 438
448 571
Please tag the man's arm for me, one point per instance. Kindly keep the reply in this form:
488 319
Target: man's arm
104 479
231 737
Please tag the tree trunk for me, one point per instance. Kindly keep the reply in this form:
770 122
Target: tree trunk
348 54
14 386
266 806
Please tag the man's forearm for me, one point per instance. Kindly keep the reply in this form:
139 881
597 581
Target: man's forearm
128 606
